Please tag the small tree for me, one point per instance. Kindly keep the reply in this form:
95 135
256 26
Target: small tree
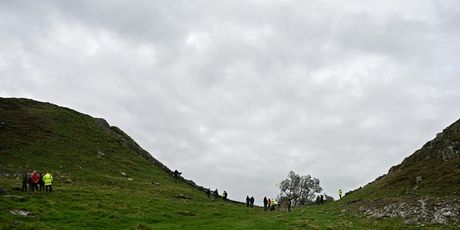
300 190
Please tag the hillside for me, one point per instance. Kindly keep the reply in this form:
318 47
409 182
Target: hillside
104 180
428 179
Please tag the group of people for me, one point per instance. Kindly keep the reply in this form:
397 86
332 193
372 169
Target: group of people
216 193
250 201
37 181
270 204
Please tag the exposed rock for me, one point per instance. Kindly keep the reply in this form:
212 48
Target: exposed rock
68 181
100 154
419 212
411 221
123 174
130 179
418 179
22 213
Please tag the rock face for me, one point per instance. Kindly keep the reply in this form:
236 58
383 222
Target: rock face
420 211
424 188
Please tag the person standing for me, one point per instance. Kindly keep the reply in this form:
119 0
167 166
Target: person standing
25 180
225 195
340 193
247 201
265 203
48 180
269 203
41 183
35 180
274 203
252 202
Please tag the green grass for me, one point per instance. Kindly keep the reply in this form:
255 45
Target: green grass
41 136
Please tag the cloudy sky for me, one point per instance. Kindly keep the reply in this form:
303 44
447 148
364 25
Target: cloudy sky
235 94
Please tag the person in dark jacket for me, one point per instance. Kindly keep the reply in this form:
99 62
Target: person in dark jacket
265 203
247 201
25 181
41 183
252 202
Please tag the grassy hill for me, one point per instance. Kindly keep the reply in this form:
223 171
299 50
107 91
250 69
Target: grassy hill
432 171
425 187
104 180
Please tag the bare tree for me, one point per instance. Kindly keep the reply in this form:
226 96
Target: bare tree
300 190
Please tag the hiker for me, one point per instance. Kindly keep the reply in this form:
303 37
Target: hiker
247 201
35 179
25 180
265 203
48 180
269 203
177 173
340 193
321 199
41 183
252 202
225 195
208 192
216 193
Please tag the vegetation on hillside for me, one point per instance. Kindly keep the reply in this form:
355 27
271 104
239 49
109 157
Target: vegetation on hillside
103 182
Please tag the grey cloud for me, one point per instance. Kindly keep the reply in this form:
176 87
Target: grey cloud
237 93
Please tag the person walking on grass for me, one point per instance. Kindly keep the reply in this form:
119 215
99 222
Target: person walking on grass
48 180
247 201
340 193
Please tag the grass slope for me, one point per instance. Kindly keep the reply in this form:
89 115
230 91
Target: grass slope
437 163
41 136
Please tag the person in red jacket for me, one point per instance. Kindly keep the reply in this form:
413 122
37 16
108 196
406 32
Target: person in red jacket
35 180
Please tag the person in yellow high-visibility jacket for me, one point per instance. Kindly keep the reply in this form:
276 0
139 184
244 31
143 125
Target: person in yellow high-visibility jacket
273 206
48 179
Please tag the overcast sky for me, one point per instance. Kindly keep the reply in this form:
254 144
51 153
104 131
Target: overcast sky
235 94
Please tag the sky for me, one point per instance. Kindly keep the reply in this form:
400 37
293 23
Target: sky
235 94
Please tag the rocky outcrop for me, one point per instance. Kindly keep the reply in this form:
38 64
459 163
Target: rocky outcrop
422 211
